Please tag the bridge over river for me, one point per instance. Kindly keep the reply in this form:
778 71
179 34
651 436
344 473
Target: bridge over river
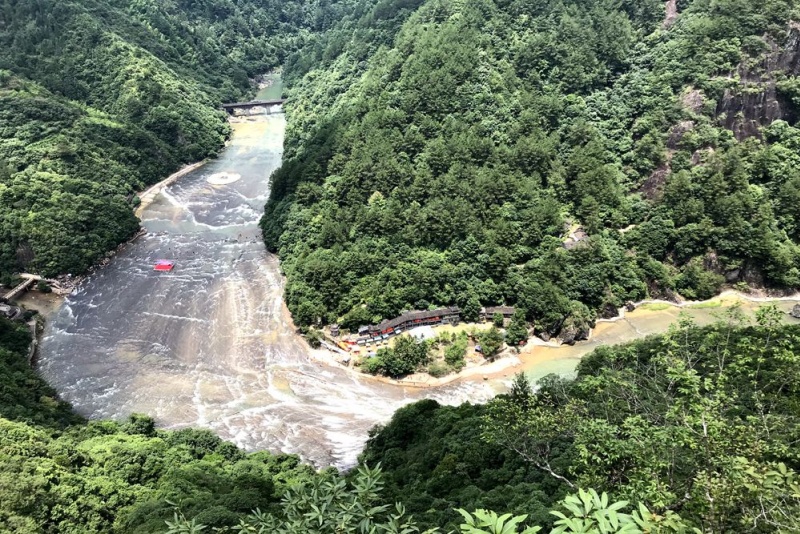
27 282
254 106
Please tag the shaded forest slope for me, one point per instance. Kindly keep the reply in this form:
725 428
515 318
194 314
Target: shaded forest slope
449 162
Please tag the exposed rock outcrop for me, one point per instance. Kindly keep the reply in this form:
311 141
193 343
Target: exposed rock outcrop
677 132
700 156
657 292
653 187
672 13
756 100
544 335
693 100
575 238
609 311
753 276
572 333
733 275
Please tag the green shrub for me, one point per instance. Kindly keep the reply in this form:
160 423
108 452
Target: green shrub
43 287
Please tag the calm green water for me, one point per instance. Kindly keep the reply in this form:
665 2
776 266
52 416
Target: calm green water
642 322
274 91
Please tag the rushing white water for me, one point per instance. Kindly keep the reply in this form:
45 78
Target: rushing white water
211 343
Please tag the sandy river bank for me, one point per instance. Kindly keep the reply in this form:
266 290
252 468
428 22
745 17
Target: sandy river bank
538 358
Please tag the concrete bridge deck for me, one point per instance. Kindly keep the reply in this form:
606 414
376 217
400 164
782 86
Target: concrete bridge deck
27 281
233 106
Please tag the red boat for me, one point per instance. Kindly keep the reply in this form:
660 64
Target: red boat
164 265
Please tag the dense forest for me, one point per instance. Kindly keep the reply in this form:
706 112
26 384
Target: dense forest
100 98
563 156
697 428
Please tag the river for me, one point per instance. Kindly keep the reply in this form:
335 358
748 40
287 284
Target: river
539 359
211 343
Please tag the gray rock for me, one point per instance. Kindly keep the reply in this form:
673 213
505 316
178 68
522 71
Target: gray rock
795 311
609 311
732 276
568 335
544 335
583 334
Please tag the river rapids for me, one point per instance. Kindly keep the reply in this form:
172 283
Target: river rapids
211 344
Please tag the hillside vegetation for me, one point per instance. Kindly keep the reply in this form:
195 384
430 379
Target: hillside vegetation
696 428
100 98
700 421
438 152
447 162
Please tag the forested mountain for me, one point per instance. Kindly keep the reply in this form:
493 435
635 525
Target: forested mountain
100 98
459 159
438 152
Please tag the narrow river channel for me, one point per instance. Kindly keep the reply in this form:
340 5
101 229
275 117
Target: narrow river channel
211 343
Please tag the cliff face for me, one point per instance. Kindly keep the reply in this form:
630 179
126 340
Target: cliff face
757 99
